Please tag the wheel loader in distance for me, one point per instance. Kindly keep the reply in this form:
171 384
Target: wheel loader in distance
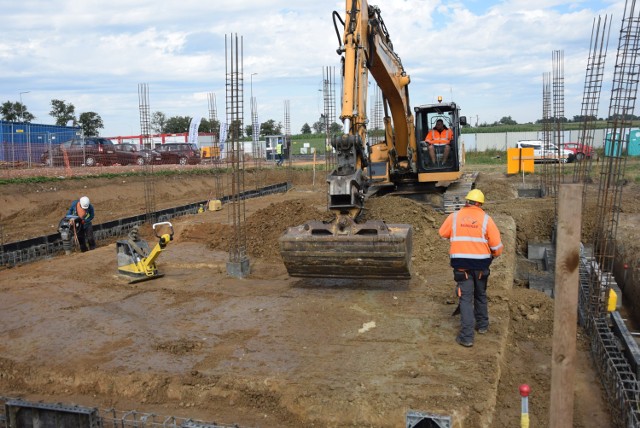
400 164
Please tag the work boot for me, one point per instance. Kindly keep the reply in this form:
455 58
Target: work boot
463 343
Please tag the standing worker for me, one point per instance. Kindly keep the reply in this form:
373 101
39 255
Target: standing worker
83 209
279 153
475 242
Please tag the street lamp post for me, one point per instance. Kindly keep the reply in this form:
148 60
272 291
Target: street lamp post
22 106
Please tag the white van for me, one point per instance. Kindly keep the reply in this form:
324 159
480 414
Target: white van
548 153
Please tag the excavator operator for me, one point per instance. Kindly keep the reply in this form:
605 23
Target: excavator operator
439 136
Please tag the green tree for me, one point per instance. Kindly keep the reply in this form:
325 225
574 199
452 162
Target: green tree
63 112
159 122
306 129
318 127
206 126
90 122
507 120
15 112
335 128
270 127
177 124
235 130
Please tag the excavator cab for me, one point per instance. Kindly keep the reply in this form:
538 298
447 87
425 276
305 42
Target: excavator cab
443 160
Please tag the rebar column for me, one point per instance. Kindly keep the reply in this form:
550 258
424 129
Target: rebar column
238 264
547 182
329 97
216 155
147 143
591 97
621 108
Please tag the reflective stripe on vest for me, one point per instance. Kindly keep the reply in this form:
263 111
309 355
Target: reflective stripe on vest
469 246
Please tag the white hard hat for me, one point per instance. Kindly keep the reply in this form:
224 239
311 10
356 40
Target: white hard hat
84 202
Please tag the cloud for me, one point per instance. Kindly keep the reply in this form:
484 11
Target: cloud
487 56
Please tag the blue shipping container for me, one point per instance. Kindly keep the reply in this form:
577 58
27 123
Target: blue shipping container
23 141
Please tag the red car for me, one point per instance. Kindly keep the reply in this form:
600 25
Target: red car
581 151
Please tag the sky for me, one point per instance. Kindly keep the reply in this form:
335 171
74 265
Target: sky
488 56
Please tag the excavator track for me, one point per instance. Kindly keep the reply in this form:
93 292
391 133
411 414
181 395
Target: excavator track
454 197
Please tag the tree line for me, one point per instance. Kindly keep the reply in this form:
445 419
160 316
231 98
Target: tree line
64 114
507 120
90 122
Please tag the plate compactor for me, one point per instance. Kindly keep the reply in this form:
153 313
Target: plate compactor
136 260
67 228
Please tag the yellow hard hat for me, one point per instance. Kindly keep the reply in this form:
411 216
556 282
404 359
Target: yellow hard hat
475 195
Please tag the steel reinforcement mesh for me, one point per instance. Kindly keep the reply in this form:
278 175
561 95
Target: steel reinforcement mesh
20 413
616 374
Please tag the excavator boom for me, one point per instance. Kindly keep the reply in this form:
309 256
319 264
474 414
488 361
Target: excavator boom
345 248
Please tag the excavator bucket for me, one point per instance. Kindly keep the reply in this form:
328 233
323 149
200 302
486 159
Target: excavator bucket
374 250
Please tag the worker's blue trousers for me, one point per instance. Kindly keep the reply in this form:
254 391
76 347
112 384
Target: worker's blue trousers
472 292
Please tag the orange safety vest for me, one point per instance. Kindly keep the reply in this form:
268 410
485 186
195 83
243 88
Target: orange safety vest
435 137
81 211
472 233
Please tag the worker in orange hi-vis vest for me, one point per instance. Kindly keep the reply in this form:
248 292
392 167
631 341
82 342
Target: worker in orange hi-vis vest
440 135
474 243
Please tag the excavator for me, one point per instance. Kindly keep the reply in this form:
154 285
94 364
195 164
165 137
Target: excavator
399 164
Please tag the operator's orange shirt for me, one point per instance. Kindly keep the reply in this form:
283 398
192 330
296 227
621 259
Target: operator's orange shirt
435 137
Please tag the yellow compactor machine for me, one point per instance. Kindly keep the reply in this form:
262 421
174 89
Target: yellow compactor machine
136 260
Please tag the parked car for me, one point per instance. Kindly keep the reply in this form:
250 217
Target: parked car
128 153
89 151
181 153
546 153
580 151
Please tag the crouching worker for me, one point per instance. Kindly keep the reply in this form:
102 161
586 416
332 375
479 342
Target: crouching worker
83 209
474 242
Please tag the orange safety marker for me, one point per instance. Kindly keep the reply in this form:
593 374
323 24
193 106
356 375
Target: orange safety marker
524 414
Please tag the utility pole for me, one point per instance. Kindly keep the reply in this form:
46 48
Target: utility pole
22 106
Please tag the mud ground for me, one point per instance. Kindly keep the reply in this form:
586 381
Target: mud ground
269 350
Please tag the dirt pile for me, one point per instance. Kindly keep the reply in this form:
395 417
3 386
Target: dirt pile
270 350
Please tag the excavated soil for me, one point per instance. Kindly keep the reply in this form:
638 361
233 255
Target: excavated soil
270 350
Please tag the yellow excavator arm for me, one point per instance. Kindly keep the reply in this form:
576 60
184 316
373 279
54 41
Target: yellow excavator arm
366 48
345 248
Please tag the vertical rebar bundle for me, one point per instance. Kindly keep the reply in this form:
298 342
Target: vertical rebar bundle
591 96
216 156
147 143
376 125
559 118
621 107
256 147
329 98
288 144
238 264
546 130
